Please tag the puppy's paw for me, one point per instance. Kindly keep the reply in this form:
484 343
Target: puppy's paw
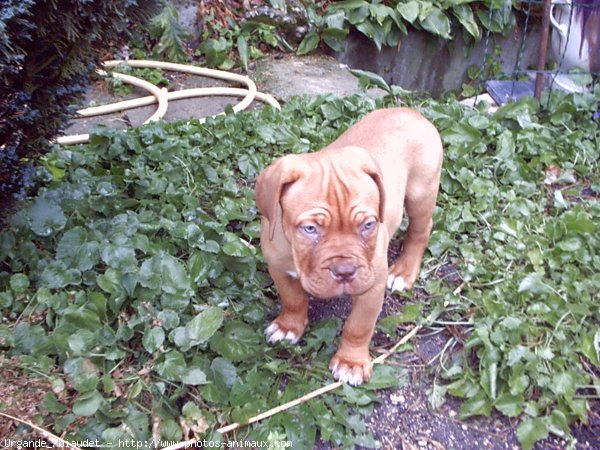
351 372
276 333
402 275
397 283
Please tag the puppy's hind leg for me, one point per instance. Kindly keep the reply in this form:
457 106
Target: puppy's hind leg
419 209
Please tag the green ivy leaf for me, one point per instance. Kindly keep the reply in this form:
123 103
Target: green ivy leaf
204 325
309 43
153 339
530 431
52 405
348 5
409 10
171 365
534 283
194 376
237 342
370 79
76 249
6 299
174 277
46 217
355 16
224 371
27 337
372 31
56 276
119 257
478 405
81 341
168 319
166 273
465 16
19 283
590 346
385 377
87 404
335 38
83 374
242 47
437 23
510 405
233 245
110 281
563 384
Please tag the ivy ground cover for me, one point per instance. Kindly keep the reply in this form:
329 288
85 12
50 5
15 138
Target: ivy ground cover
133 284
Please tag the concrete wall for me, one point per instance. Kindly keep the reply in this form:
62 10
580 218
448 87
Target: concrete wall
427 63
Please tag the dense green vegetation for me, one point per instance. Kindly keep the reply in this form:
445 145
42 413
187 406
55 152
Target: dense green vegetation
229 39
132 282
48 50
386 22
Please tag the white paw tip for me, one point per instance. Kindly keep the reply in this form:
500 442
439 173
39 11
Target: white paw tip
291 336
346 376
275 334
355 379
396 284
334 371
271 329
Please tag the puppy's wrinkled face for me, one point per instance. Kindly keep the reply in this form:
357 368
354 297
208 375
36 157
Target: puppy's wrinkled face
333 227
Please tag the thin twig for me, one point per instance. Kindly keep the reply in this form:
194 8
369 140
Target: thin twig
56 441
407 337
459 289
316 393
281 408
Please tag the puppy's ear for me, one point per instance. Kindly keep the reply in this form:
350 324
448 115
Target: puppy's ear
371 168
374 171
270 184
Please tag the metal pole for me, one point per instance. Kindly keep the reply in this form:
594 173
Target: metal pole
539 78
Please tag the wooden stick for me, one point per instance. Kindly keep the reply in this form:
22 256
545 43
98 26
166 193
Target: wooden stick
380 359
281 408
56 441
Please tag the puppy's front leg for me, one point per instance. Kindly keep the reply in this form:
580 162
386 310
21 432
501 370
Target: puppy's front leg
293 318
352 362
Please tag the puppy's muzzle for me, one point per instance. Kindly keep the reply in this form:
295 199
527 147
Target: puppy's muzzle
344 272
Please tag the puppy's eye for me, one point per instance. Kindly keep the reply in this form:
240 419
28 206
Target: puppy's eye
309 230
368 226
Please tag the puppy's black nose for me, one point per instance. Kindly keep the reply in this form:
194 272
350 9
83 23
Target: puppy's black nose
344 272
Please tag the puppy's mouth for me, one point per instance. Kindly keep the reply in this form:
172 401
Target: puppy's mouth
337 280
335 290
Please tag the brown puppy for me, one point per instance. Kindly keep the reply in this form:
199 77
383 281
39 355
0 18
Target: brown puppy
328 217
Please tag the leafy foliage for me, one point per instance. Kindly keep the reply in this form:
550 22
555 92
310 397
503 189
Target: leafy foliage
171 36
133 279
235 45
47 52
527 252
229 39
155 76
142 289
386 22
